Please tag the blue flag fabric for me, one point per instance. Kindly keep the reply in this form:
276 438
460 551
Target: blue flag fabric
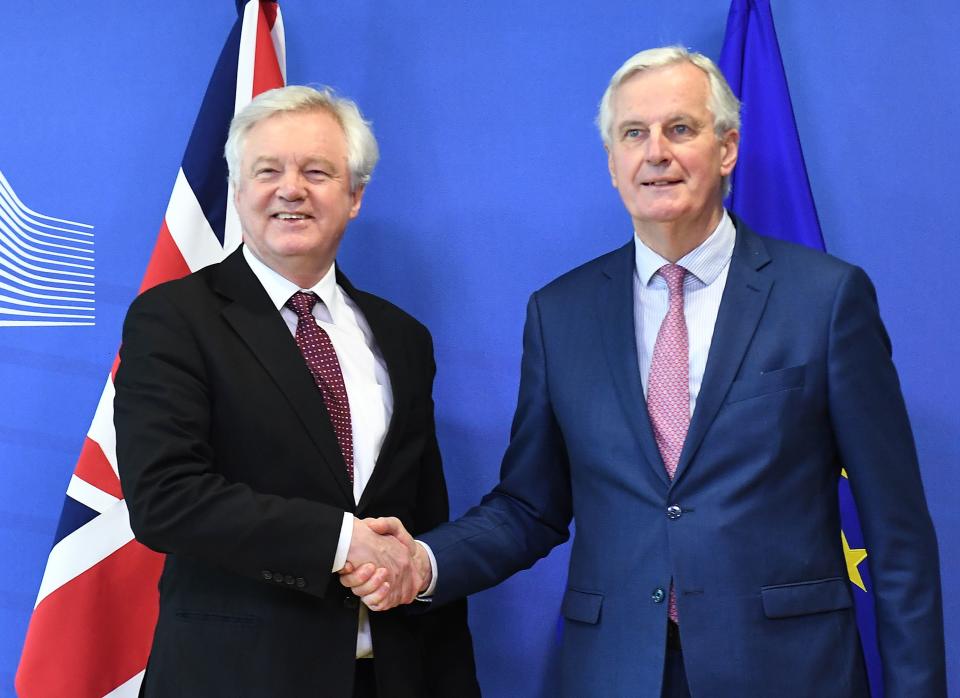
770 186
771 192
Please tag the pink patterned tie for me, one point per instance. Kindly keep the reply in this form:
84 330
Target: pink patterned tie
668 387
318 352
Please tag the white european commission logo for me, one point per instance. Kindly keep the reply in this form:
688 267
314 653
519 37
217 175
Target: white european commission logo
46 267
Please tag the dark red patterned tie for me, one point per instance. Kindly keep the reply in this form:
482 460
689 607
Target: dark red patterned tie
668 386
318 352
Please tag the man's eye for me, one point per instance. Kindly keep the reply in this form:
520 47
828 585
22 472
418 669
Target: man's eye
632 133
682 130
265 171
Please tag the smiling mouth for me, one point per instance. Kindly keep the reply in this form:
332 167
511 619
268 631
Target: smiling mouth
290 216
661 183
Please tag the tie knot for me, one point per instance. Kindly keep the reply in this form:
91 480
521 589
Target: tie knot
302 303
673 274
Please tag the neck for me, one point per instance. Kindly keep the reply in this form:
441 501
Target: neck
304 278
673 240
304 271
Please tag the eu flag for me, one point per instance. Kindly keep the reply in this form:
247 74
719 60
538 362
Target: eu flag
772 194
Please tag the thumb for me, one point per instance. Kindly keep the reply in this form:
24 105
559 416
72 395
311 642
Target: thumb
388 525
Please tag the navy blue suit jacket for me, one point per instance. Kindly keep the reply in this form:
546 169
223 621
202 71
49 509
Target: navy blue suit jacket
799 384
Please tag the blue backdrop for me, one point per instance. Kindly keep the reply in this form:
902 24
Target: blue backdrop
492 182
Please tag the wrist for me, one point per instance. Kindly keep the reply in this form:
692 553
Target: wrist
428 573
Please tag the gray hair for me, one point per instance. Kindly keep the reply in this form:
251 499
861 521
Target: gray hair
721 102
362 150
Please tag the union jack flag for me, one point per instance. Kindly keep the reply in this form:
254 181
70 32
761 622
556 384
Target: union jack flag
93 621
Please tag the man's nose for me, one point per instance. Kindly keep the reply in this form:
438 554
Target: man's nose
658 150
291 186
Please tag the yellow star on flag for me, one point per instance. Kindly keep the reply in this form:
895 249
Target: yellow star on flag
854 557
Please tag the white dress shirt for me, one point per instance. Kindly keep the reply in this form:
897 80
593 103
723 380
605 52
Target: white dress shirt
365 377
707 266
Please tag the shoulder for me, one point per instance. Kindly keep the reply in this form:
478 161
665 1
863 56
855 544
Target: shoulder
794 262
191 292
385 315
577 281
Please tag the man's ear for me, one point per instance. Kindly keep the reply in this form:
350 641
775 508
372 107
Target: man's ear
610 167
357 195
729 151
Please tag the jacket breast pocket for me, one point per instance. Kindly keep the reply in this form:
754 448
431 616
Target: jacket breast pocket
804 598
766 383
582 606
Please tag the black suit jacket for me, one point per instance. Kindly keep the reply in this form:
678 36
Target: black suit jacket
230 466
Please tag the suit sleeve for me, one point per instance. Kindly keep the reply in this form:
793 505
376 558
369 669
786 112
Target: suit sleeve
528 513
178 498
876 447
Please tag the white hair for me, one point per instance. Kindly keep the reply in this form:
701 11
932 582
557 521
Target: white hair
362 150
721 102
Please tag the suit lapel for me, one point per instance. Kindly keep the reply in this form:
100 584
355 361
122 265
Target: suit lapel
617 326
741 307
260 326
390 344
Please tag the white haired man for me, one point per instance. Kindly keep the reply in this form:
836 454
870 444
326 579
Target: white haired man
690 400
263 405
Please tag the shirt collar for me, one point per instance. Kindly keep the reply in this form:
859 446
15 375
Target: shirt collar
705 261
280 288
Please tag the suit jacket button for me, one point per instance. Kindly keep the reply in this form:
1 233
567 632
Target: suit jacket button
278 577
351 602
267 575
658 595
301 582
674 512
288 579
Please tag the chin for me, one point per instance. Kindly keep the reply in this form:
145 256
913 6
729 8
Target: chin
659 215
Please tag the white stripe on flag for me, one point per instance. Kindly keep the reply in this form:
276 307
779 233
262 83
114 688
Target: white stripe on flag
232 234
90 496
189 227
248 47
130 689
101 428
280 45
85 547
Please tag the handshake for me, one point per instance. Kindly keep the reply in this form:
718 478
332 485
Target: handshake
385 566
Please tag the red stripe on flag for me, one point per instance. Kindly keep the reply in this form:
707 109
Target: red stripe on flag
166 262
94 647
94 468
270 11
266 68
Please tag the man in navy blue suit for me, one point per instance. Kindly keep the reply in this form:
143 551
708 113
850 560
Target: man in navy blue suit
690 400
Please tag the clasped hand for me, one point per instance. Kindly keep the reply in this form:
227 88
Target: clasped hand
385 566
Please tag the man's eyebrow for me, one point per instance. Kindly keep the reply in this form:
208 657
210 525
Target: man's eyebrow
322 161
683 116
268 159
631 123
669 119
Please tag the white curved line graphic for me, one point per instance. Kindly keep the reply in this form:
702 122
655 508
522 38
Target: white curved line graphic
50 274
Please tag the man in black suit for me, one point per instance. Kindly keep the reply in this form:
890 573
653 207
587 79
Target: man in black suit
263 406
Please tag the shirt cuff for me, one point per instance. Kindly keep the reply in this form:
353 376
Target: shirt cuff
343 545
428 592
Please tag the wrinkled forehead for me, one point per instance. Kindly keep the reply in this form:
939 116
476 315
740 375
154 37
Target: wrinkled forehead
293 120
675 88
